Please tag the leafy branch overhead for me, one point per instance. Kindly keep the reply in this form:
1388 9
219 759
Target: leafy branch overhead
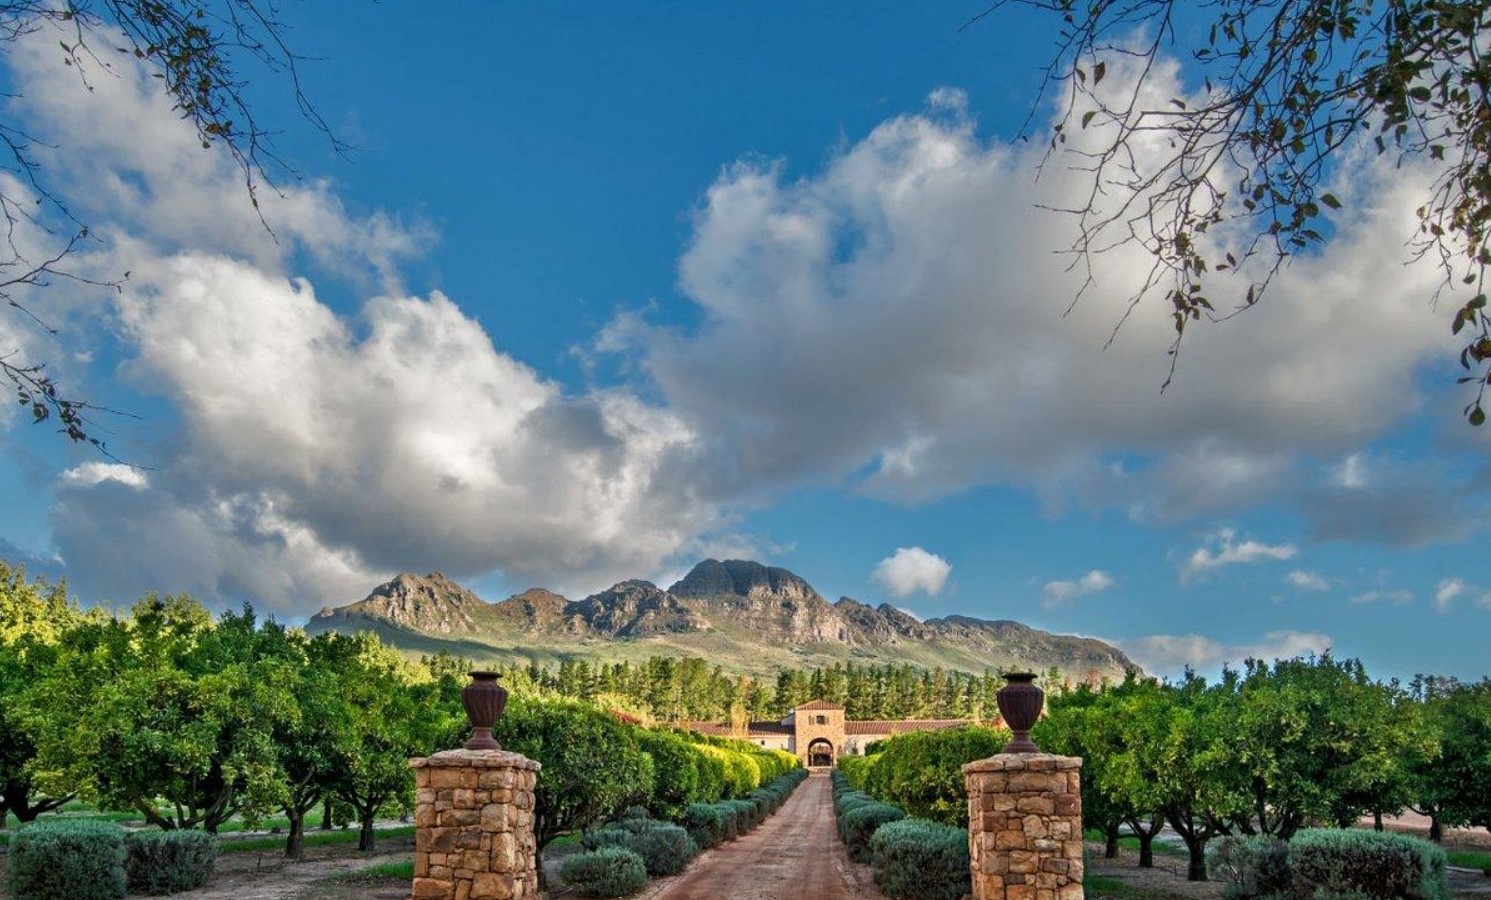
1288 88
199 50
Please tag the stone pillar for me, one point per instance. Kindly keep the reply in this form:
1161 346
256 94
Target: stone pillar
473 826
1025 826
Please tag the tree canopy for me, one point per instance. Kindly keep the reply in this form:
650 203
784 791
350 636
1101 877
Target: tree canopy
1286 89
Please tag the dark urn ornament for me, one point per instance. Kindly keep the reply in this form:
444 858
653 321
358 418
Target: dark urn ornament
1020 704
484 700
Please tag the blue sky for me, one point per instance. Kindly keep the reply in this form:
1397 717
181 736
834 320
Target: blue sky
603 291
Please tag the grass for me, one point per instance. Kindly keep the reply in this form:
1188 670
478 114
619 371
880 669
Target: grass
393 870
1129 842
312 839
1470 859
1103 886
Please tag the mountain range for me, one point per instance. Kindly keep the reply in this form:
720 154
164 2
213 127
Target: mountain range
748 617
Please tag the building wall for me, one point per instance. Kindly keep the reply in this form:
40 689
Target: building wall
813 724
772 741
855 744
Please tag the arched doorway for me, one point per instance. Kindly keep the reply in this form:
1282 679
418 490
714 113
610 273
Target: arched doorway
820 753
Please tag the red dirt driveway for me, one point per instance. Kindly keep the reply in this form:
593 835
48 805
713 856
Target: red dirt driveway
794 855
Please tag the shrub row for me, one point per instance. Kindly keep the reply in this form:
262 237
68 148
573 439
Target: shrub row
664 848
694 768
82 860
913 859
605 872
711 824
619 858
1339 862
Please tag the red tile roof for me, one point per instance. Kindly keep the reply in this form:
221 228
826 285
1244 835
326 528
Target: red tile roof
762 729
901 726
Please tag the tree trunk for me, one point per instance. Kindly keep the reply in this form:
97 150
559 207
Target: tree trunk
1146 850
1110 846
1376 820
295 843
1436 829
326 814
365 835
1196 847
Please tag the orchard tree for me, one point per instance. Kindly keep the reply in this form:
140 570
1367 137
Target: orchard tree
306 740
1463 769
1289 87
166 707
1313 740
1174 761
390 714
1078 725
593 766
33 618
201 52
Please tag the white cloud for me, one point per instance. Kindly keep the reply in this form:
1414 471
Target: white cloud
1404 503
1308 581
318 453
415 446
1224 549
149 178
1055 593
905 297
92 473
1396 598
1169 654
912 310
1451 590
912 569
1351 473
1447 592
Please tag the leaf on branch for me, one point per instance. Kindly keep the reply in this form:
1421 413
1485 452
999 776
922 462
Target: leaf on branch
1330 200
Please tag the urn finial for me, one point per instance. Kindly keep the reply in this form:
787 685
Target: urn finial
484 700
1020 703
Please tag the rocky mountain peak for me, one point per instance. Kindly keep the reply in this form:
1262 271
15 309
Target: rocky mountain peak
634 608
430 603
713 579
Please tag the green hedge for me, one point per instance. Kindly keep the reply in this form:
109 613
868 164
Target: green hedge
711 824
915 859
922 772
1252 866
167 862
1331 862
1373 863
665 848
856 769
858 824
67 860
607 872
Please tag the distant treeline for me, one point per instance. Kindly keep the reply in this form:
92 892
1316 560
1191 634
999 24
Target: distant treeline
672 689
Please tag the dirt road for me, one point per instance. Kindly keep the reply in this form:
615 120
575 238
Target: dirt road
794 855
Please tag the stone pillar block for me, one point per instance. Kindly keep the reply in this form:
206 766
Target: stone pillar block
473 826
1025 826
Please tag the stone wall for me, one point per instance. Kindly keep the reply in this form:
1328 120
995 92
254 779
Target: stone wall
1025 826
473 826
